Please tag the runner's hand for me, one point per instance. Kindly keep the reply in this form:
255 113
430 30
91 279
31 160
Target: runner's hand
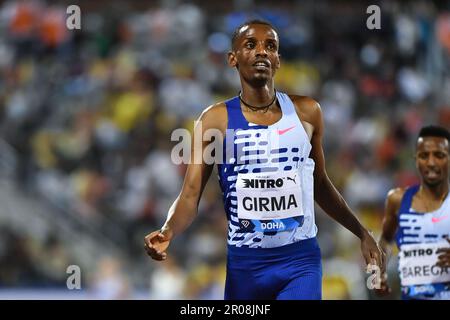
371 251
444 258
384 289
156 244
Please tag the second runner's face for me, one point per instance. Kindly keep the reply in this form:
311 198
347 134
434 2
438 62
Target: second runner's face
432 160
255 53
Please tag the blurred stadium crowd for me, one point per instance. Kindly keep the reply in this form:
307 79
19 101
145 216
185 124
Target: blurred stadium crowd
86 118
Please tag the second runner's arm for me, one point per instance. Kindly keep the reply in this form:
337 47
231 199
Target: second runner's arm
390 225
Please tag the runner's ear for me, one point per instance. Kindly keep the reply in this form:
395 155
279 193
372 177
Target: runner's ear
232 61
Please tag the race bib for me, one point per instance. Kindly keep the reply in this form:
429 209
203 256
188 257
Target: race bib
268 196
417 264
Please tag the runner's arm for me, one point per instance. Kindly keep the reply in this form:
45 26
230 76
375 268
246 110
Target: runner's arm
185 207
329 198
326 195
390 220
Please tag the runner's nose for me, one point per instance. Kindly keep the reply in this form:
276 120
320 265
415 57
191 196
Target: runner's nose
261 50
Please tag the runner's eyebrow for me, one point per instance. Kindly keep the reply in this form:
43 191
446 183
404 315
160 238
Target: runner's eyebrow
253 38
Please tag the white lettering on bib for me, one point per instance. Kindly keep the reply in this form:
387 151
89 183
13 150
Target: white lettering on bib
267 196
417 264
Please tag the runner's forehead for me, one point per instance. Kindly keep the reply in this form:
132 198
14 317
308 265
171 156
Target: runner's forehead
250 31
428 143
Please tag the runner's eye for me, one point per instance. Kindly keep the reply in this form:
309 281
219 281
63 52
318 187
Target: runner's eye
422 156
440 155
250 45
271 46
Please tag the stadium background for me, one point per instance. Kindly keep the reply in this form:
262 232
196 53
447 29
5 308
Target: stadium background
86 118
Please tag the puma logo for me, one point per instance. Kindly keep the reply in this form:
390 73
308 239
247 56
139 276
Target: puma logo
292 179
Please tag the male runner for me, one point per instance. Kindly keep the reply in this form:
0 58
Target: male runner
418 218
269 188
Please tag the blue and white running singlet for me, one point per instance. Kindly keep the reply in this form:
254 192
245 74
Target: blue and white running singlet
419 236
267 179
267 184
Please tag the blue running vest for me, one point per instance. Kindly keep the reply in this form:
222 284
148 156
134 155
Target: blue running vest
267 179
419 234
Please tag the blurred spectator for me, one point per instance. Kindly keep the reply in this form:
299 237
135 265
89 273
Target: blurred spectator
167 281
109 281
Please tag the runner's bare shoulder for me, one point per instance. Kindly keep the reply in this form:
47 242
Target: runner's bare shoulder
394 197
307 108
215 117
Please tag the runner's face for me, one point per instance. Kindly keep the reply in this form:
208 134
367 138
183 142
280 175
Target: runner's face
255 53
432 160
